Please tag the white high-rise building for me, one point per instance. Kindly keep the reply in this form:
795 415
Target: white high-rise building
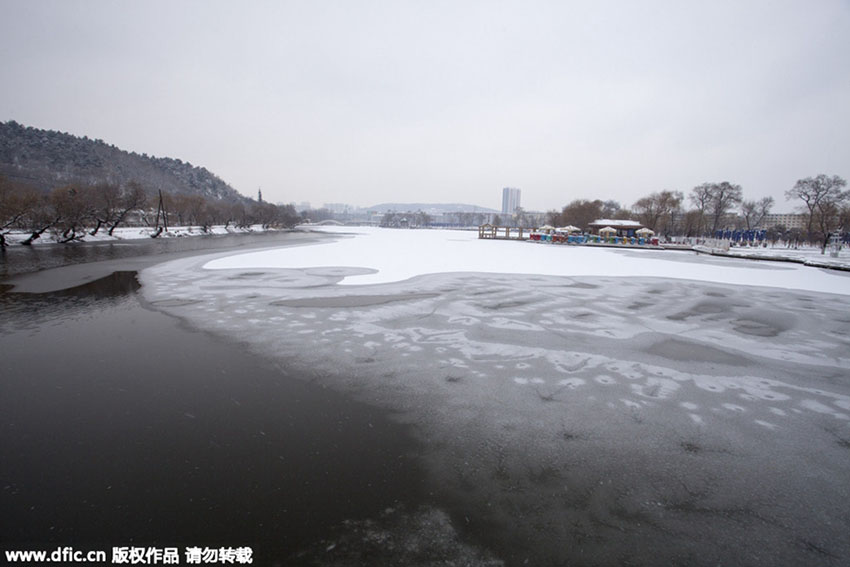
510 200
787 220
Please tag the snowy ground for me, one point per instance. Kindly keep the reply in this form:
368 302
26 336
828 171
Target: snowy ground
576 404
395 255
808 255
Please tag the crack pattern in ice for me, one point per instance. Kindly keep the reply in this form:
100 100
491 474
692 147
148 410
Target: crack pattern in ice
599 411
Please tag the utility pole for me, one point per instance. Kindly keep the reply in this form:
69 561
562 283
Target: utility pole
160 209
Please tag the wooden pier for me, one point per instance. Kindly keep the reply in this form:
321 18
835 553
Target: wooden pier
503 232
551 236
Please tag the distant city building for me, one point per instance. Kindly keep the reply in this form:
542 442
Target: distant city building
510 200
338 208
789 221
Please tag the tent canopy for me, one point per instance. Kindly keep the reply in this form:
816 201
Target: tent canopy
645 231
570 228
607 230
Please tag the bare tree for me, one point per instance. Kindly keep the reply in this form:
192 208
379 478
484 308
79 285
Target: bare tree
287 216
754 212
265 214
724 197
656 211
823 198
131 198
40 218
233 213
73 207
613 210
844 217
775 233
196 210
104 200
582 212
700 198
691 223
16 203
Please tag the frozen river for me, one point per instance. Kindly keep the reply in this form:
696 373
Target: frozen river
119 426
574 405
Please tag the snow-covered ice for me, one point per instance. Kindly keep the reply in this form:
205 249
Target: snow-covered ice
396 255
578 404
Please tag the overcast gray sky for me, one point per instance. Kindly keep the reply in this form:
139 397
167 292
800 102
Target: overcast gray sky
363 102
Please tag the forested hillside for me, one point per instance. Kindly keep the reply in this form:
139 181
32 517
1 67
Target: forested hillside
71 188
46 159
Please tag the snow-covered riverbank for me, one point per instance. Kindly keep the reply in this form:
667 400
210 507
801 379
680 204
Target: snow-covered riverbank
807 255
138 233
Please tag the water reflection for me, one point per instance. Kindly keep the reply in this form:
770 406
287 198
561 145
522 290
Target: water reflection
28 310
17 259
121 427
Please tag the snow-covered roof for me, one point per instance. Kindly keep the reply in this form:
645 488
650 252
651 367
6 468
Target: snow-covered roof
615 223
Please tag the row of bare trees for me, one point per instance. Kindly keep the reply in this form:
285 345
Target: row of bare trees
409 219
195 210
72 211
827 205
718 206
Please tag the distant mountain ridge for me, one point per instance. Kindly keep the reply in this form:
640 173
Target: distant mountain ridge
48 159
430 208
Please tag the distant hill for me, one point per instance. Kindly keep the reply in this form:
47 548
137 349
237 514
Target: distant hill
48 159
430 208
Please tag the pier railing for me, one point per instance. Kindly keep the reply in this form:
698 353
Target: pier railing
503 232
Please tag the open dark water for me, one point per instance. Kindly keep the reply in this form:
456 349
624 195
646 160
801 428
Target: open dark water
18 259
120 427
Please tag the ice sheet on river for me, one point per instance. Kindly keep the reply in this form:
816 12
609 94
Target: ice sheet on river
588 418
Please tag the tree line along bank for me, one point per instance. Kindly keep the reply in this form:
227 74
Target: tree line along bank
707 210
70 212
716 207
